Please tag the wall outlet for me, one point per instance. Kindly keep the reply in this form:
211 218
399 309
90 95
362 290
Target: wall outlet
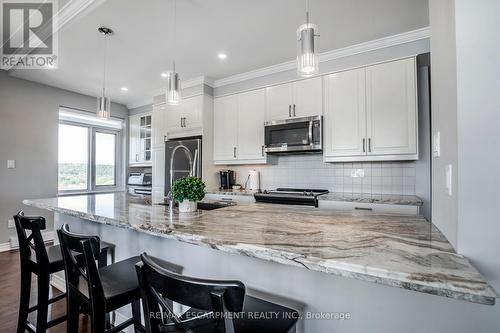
11 224
358 173
449 180
436 144
11 164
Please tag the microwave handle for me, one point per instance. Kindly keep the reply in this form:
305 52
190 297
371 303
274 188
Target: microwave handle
311 132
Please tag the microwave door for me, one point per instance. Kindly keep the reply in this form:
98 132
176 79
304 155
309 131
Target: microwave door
294 134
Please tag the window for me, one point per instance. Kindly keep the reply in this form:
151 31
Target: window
89 153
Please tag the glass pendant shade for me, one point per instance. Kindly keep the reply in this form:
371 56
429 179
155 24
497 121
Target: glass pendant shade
103 107
307 59
173 93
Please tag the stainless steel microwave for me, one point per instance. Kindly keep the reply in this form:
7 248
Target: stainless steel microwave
294 135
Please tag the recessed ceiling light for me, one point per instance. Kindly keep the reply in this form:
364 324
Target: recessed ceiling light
163 74
222 56
124 88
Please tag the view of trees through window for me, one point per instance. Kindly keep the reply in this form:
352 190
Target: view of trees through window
74 158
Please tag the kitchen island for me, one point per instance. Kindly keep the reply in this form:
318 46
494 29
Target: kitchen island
327 261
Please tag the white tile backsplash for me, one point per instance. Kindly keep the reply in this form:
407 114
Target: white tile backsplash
309 171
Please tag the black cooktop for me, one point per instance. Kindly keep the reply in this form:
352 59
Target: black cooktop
290 196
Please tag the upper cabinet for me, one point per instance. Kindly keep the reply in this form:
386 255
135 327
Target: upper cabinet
391 108
185 119
296 99
239 128
140 139
371 113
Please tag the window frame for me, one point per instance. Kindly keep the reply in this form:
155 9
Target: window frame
92 187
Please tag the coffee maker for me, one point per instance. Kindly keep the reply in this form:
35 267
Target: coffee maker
227 179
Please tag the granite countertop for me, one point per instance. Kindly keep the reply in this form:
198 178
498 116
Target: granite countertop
399 251
388 199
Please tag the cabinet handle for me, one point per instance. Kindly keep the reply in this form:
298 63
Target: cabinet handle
234 152
294 110
364 146
289 110
369 145
363 208
262 150
185 121
181 122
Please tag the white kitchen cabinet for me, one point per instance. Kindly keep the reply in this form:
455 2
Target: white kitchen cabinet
225 128
251 118
185 119
140 139
239 128
361 207
296 99
345 114
391 108
158 174
159 126
371 113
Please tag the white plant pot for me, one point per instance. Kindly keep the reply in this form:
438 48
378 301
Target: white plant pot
188 206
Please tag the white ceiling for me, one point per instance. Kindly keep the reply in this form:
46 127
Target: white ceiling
253 33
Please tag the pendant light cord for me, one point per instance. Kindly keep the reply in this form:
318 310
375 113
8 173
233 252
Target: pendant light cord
175 33
307 13
104 74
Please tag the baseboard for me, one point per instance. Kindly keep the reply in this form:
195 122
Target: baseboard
48 236
4 247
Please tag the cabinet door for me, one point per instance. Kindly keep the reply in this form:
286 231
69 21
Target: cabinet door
191 110
307 97
159 126
251 118
173 117
391 108
145 135
134 139
345 114
279 102
225 125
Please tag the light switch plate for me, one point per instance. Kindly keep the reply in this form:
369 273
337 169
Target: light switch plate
11 224
449 179
358 173
436 144
11 164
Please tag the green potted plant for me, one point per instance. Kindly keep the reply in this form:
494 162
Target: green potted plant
188 191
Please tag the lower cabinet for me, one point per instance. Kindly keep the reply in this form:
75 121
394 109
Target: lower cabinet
239 128
369 207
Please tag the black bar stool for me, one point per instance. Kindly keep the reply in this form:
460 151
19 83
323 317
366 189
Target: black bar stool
98 291
215 306
45 261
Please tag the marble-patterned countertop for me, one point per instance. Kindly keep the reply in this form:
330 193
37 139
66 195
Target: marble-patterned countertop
399 251
388 199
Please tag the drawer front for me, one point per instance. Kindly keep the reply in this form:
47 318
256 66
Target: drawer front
233 198
369 207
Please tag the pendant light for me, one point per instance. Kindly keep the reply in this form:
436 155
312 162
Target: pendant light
173 92
103 102
307 59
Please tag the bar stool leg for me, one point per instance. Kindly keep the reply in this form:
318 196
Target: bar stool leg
136 313
73 315
43 302
24 301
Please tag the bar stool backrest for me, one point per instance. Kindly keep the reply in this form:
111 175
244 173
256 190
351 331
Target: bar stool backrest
80 253
160 286
34 241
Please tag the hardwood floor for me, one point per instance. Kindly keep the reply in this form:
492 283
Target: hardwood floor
9 298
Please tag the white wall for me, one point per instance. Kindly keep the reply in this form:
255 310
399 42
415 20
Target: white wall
444 114
478 78
28 134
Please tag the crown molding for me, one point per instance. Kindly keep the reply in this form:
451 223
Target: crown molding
184 84
376 44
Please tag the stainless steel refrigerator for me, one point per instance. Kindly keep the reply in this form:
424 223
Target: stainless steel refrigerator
182 158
